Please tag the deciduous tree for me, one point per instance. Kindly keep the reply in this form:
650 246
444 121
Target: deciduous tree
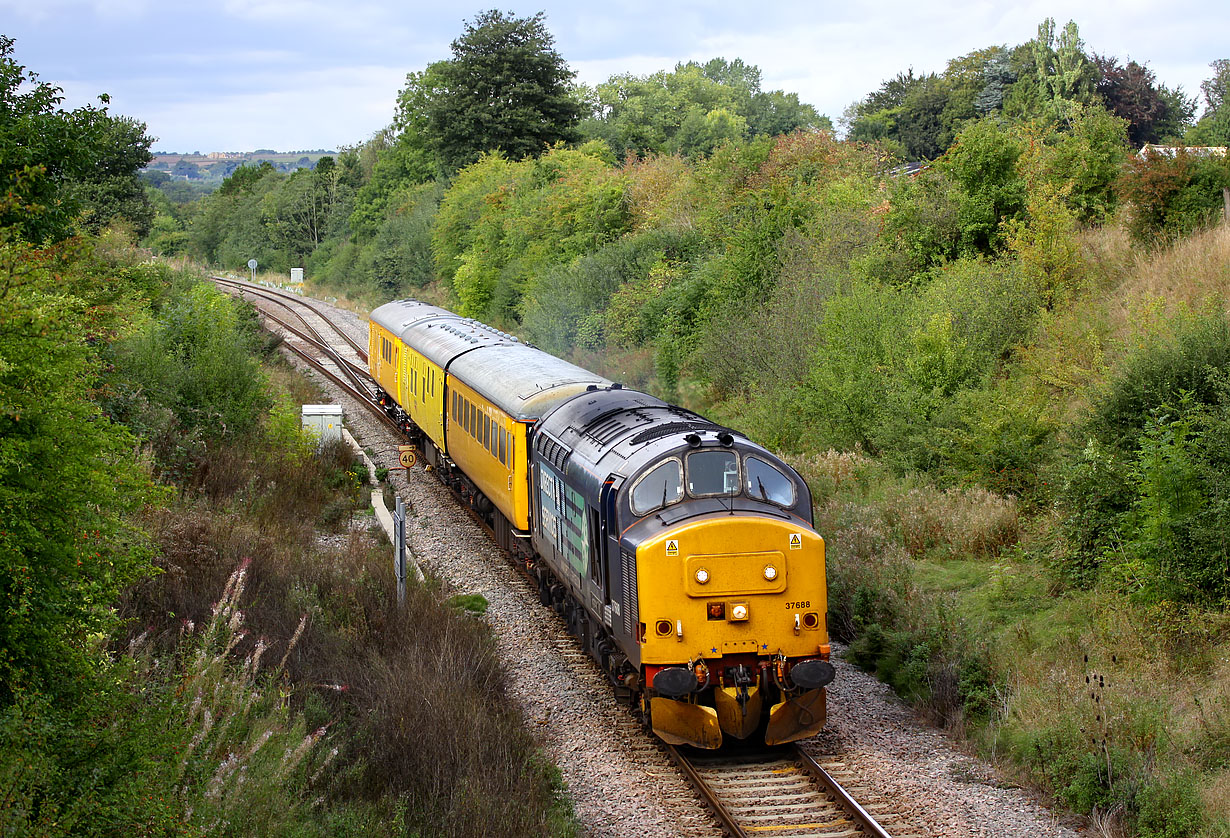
505 89
60 162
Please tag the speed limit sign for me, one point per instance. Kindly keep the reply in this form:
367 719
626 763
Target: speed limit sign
406 456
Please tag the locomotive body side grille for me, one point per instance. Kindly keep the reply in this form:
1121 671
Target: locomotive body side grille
631 609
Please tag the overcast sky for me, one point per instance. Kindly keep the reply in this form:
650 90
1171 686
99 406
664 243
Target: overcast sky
237 75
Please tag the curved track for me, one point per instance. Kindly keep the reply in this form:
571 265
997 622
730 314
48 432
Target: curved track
782 792
316 350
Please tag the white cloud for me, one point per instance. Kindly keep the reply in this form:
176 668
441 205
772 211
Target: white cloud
313 109
57 10
241 73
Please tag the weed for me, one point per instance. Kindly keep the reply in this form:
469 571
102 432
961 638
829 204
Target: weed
473 604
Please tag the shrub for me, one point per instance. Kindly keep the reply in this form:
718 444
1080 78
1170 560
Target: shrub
1148 497
197 359
1169 808
1173 195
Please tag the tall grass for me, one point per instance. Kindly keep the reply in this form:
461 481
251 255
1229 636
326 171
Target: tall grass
389 719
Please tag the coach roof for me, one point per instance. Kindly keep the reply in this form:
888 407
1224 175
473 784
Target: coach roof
521 380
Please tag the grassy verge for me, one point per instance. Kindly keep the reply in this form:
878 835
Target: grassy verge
1075 634
1117 709
264 680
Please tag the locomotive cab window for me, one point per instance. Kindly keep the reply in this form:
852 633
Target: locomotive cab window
713 472
659 487
765 482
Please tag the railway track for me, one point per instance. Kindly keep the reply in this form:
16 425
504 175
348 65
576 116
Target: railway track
782 792
313 347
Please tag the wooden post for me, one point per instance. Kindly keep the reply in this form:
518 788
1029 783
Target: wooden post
1225 197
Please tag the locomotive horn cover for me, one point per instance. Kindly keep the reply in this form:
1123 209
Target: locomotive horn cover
675 681
813 674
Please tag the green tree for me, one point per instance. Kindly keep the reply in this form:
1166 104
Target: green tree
60 163
1066 75
505 89
69 480
983 162
1214 125
693 109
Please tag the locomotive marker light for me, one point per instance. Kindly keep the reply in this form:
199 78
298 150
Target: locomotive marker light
702 575
738 611
770 572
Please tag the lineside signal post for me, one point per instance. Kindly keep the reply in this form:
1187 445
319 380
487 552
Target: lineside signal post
406 456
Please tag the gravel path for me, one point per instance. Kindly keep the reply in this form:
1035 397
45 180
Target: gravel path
620 781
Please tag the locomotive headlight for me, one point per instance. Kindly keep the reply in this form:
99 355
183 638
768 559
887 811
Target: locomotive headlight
770 572
702 575
738 611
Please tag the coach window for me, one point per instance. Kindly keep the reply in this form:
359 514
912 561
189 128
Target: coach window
713 472
765 482
504 446
659 487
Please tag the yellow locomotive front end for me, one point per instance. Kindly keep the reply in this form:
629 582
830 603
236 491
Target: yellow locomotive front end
735 639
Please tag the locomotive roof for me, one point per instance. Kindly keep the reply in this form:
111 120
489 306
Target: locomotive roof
615 431
520 379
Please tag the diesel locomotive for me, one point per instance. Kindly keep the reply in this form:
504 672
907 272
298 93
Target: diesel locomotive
680 553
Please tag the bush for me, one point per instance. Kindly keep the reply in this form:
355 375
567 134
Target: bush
1173 196
1147 497
1169 808
196 359
567 306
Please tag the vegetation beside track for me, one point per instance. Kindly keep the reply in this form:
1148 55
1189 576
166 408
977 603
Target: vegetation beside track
1003 372
257 676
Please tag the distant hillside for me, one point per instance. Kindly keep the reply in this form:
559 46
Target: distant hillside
214 166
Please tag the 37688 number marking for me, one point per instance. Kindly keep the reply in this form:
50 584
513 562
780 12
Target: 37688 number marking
806 603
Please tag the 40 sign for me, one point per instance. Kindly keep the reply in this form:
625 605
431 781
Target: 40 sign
406 456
